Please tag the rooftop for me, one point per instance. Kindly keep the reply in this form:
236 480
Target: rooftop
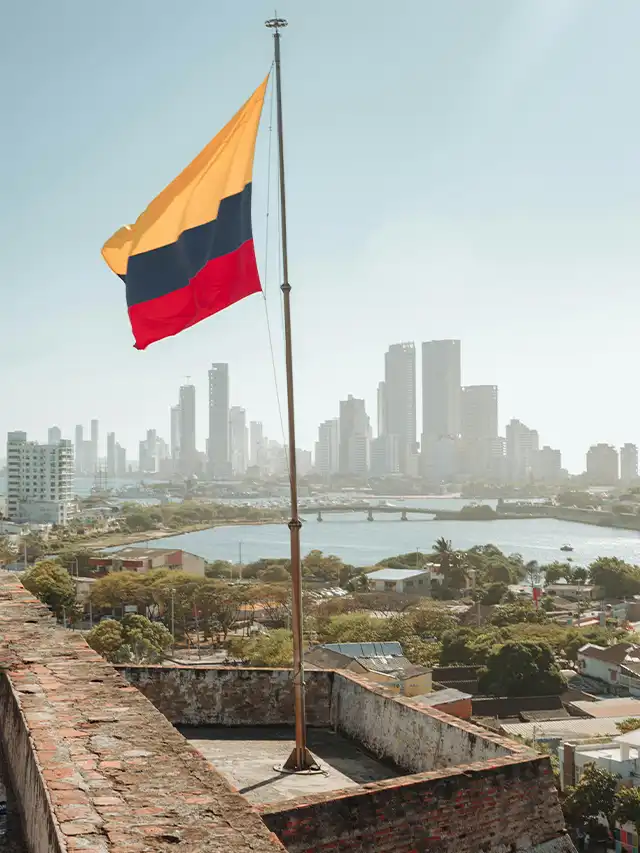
569 729
365 650
248 758
611 654
622 707
396 574
142 553
441 697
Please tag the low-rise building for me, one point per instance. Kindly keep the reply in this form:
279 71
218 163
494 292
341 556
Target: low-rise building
574 591
145 559
449 700
617 666
406 581
620 756
383 663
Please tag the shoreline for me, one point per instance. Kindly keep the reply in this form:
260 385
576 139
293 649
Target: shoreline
115 540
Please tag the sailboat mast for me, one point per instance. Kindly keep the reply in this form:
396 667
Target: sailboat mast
300 759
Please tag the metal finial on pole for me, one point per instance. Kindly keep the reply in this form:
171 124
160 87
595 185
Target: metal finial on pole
300 759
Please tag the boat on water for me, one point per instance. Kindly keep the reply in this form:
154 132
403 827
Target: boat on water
567 548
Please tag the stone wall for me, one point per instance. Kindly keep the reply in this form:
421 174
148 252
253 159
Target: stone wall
510 806
232 696
93 765
411 736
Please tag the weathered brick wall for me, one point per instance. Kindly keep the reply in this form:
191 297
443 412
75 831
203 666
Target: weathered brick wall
511 806
93 765
231 696
413 737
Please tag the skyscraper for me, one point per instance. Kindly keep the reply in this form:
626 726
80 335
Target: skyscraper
175 433
355 433
256 443
441 389
602 465
95 429
523 445
382 408
79 450
219 456
327 448
188 453
111 455
628 463
400 400
479 412
55 435
478 428
238 440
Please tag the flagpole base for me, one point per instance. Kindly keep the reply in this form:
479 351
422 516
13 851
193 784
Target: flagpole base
299 762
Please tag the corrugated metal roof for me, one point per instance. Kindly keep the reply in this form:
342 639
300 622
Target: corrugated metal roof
395 574
571 729
441 697
621 707
365 650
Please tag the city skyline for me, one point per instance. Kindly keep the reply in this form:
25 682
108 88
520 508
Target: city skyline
349 443
514 200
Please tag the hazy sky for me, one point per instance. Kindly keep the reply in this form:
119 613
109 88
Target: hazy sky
462 169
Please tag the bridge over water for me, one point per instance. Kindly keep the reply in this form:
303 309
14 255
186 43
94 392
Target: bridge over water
403 512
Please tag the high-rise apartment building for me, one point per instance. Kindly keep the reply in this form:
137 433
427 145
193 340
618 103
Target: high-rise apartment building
381 399
175 433
256 444
400 400
479 412
39 480
602 465
441 373
54 435
111 455
238 440
628 463
523 445
327 450
478 429
384 456
355 433
188 452
548 465
121 461
79 450
148 453
218 448
95 443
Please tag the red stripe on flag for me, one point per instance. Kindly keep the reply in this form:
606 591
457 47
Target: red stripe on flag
219 284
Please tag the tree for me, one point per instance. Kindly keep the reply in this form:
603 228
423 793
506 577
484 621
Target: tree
494 593
272 649
594 795
468 646
219 569
329 569
628 725
580 575
517 613
35 544
135 640
532 573
616 578
514 668
8 551
52 584
452 564
627 807
556 571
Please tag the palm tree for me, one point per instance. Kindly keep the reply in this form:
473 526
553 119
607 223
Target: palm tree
532 572
452 564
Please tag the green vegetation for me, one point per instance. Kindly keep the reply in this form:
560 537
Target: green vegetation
628 725
514 668
52 584
272 649
595 795
135 639
8 551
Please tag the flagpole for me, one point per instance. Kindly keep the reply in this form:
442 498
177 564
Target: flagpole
300 758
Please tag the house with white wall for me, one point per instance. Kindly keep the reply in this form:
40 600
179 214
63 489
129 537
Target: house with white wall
618 667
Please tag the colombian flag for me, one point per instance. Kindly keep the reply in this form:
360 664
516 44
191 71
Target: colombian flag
190 254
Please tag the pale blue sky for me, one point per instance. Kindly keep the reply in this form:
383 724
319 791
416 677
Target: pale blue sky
462 169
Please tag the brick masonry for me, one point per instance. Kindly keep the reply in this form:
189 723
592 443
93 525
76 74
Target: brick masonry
94 766
511 806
